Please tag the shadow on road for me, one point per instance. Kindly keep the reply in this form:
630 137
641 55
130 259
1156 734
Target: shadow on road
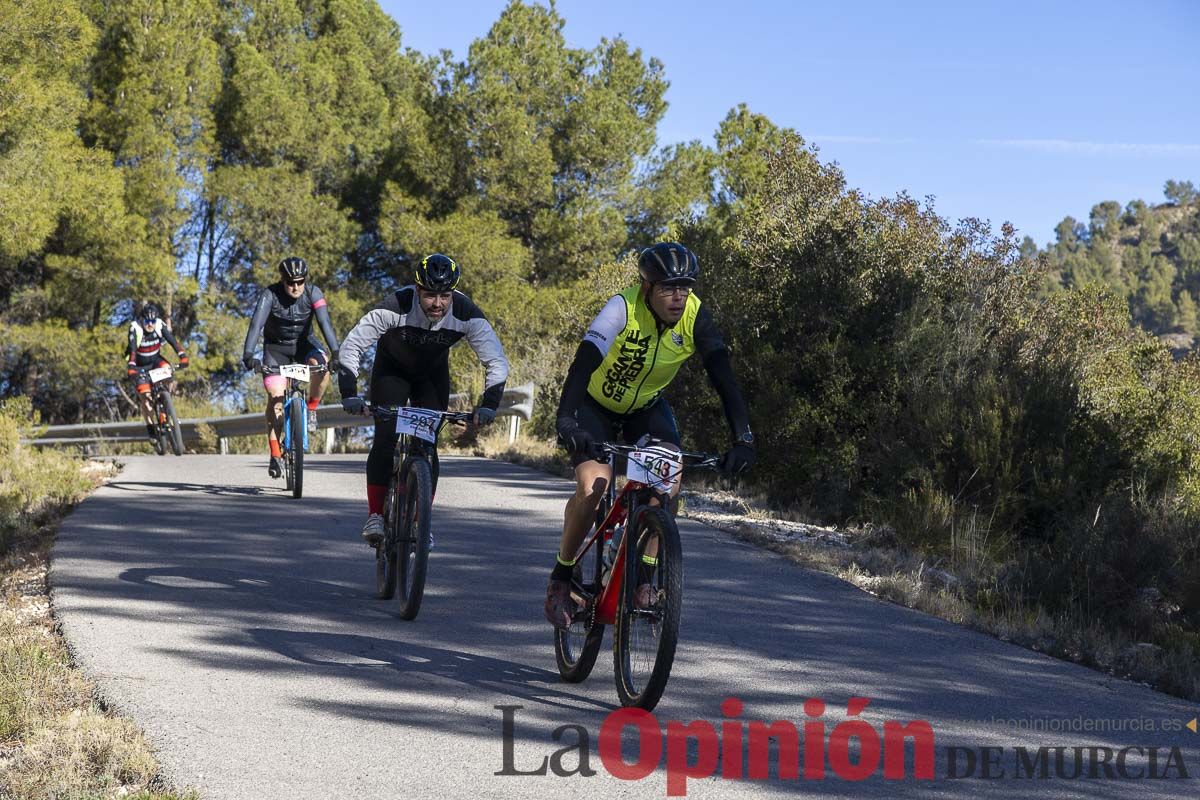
262 587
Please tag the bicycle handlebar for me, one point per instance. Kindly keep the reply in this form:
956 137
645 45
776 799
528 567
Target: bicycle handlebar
701 460
266 369
390 412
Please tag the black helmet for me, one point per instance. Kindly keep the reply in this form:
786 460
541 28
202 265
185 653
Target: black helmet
437 273
670 263
147 313
293 268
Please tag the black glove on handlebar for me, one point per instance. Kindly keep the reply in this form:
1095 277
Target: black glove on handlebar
738 459
576 439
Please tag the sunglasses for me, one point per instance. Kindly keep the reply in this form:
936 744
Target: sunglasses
673 291
294 283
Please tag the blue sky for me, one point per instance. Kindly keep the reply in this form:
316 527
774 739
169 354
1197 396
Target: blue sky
1018 111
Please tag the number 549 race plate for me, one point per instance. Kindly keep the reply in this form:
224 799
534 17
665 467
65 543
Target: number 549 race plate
659 467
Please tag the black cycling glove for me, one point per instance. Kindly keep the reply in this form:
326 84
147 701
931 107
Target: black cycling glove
576 439
738 459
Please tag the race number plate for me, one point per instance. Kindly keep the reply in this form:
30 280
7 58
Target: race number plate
419 422
657 467
159 374
297 372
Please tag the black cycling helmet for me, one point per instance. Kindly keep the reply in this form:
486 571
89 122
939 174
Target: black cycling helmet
293 268
147 313
670 263
437 273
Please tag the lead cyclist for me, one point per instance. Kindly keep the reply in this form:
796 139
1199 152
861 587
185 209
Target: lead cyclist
630 354
415 327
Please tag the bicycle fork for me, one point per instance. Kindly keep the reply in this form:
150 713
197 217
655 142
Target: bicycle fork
287 424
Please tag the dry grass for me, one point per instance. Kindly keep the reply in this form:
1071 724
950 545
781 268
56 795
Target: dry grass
55 739
527 451
970 596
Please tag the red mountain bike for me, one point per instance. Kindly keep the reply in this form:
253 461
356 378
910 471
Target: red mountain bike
633 581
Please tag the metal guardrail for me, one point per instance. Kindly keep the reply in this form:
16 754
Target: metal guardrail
517 405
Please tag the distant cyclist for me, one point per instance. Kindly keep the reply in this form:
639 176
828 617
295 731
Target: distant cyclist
283 319
630 354
147 332
415 327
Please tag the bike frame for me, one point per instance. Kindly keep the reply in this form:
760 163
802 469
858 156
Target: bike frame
623 508
156 392
294 387
410 447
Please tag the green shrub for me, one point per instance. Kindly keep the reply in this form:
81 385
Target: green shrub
914 375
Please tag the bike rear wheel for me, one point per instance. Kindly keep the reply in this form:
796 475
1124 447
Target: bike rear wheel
172 423
576 648
645 638
385 551
296 445
412 545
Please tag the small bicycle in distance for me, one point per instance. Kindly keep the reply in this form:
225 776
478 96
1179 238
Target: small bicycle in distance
629 572
402 558
162 410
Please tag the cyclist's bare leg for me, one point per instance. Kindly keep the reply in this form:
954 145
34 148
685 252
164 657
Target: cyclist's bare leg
591 482
274 411
144 404
652 547
316 388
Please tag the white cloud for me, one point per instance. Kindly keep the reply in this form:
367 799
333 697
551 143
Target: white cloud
1073 147
834 139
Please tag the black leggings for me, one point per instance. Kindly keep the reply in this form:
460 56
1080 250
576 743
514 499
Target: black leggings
391 386
657 420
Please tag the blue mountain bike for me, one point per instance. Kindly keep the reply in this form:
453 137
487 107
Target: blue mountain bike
293 430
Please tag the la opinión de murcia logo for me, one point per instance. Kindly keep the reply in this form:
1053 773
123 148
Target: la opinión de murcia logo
743 749
851 750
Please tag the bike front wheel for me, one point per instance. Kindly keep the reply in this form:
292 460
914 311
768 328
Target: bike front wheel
296 420
172 423
412 545
647 627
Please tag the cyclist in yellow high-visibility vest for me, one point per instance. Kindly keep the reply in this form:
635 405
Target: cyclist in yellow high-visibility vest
630 354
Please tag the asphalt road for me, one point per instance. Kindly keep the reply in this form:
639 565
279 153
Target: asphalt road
238 627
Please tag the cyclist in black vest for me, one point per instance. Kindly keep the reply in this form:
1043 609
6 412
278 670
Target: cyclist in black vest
283 319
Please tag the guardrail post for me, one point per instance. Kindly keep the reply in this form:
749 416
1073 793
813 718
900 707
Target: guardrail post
223 443
514 428
328 441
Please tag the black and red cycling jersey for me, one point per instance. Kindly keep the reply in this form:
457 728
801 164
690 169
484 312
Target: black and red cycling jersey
284 322
145 346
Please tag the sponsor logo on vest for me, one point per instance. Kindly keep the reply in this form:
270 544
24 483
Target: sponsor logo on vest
677 339
629 364
422 337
